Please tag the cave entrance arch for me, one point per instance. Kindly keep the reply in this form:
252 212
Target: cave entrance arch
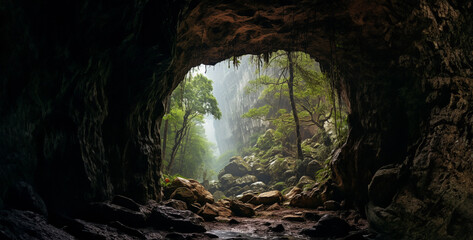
336 38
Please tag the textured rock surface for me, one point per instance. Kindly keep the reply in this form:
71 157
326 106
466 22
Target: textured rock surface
83 85
26 225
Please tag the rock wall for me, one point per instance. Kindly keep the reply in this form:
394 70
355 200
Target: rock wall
81 97
82 87
232 131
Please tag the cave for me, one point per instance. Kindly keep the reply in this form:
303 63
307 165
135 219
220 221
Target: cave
84 86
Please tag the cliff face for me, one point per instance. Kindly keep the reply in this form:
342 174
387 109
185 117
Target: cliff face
82 87
232 131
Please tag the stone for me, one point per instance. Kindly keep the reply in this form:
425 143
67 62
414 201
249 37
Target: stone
176 204
214 186
331 205
258 187
103 212
267 198
21 196
208 212
112 230
125 202
292 181
273 207
293 218
278 228
305 181
233 191
293 192
226 180
26 225
184 194
247 197
201 195
328 227
241 209
381 189
195 207
237 167
219 195
245 180
167 218
224 211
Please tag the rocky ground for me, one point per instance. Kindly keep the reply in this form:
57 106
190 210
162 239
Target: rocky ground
191 213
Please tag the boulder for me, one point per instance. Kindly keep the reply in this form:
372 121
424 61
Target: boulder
214 186
245 180
167 218
224 211
304 181
277 167
208 212
294 191
184 194
381 190
195 207
233 191
273 207
219 195
258 187
26 225
267 198
237 167
103 212
279 186
310 199
328 227
176 204
125 202
21 196
292 181
266 141
241 209
201 194
247 197
226 180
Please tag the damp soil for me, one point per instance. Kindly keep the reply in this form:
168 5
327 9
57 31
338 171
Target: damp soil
261 226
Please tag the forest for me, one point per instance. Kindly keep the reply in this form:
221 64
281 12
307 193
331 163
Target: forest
300 119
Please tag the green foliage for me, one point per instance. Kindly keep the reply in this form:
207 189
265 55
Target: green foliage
188 152
170 178
312 94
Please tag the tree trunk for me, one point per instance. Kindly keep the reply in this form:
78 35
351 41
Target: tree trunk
166 124
177 141
290 85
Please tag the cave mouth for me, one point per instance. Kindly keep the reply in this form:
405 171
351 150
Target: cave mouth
251 101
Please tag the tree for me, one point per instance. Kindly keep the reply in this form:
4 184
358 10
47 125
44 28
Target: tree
294 76
191 102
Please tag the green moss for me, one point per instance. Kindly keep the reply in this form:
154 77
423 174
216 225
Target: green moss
279 186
